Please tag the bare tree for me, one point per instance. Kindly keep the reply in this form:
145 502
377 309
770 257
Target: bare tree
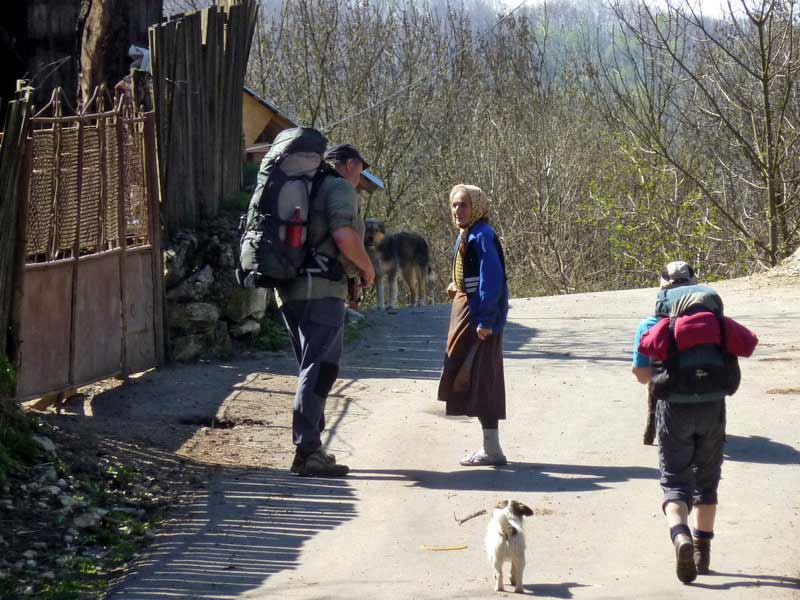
717 100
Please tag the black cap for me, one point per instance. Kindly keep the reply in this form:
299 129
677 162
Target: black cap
344 152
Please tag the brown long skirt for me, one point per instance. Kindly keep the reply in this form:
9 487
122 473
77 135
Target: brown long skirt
486 393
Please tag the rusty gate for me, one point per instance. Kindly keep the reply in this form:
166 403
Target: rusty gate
92 302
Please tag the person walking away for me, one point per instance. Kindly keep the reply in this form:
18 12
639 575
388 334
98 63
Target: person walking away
472 381
690 423
313 308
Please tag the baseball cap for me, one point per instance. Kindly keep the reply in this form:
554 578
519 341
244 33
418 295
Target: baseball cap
345 152
676 274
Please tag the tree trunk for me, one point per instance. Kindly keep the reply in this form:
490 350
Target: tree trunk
94 45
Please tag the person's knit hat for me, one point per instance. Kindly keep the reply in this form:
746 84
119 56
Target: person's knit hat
344 152
676 274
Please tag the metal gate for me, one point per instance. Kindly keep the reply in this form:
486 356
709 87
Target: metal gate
92 302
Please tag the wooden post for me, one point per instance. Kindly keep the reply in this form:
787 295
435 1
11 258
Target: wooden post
76 253
154 208
122 226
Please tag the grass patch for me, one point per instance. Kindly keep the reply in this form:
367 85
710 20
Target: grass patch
353 331
273 336
8 377
16 430
237 202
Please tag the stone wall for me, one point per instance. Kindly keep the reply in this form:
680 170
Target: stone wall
208 314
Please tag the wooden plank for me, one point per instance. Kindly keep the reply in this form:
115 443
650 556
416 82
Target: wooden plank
151 178
45 324
18 281
122 223
76 252
98 318
140 351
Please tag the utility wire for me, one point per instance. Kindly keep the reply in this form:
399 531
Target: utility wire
418 80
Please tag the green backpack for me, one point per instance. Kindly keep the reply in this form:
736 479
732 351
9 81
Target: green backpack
274 248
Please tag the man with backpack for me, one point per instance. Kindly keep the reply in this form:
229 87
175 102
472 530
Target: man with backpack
689 386
314 308
304 237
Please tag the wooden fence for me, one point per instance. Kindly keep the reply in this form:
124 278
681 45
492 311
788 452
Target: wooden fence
13 145
90 301
199 61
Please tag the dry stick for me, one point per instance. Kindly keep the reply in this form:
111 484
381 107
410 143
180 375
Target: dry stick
470 516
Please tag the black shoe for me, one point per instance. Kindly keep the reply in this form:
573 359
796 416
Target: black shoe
319 464
702 555
684 558
299 460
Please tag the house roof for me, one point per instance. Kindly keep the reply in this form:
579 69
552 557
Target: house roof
369 181
270 105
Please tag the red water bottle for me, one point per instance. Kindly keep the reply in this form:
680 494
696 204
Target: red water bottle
294 230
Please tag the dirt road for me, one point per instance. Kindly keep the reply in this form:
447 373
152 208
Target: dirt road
573 439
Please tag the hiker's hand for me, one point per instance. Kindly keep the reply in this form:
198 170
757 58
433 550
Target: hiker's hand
451 290
483 333
368 277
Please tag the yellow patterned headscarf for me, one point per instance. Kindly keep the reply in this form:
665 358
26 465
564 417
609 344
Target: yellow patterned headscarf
479 204
477 199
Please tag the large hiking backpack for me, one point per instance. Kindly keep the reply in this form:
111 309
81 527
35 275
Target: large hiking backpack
705 370
275 248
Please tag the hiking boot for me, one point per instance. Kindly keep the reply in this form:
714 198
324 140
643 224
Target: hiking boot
702 555
684 558
319 464
299 460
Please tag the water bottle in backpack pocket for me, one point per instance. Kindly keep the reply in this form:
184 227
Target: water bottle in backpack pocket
274 242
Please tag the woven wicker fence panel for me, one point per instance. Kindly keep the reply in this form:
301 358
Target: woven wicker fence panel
41 195
91 191
112 184
137 225
67 193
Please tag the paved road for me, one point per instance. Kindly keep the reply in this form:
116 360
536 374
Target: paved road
574 442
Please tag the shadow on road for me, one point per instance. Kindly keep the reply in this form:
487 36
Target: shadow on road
759 449
250 526
554 590
410 344
760 581
517 477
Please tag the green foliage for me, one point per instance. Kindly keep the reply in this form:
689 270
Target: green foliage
237 202
16 443
273 336
8 377
249 175
353 331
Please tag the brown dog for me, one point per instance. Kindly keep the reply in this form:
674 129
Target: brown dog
403 253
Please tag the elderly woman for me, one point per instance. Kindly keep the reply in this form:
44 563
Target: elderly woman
472 382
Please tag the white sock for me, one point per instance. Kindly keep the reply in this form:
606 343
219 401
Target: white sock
491 442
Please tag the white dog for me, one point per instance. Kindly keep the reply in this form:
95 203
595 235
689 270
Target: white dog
505 541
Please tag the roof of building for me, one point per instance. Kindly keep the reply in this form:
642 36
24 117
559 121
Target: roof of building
370 182
269 104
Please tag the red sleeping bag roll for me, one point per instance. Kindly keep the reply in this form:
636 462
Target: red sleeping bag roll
739 340
692 330
696 329
655 342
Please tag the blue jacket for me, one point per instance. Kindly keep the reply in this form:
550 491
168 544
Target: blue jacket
485 278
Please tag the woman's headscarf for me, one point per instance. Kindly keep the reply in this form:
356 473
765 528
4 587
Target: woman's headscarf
479 203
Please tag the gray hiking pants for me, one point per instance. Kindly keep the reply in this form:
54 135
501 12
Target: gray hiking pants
316 330
691 439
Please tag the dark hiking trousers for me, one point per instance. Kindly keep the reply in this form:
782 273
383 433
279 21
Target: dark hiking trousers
316 331
691 440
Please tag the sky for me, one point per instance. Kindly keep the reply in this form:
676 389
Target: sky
711 8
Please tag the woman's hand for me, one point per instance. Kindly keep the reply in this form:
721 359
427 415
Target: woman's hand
451 290
483 333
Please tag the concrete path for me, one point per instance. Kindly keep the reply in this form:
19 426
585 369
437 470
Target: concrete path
574 442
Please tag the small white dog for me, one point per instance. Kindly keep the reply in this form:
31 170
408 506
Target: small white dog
505 541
